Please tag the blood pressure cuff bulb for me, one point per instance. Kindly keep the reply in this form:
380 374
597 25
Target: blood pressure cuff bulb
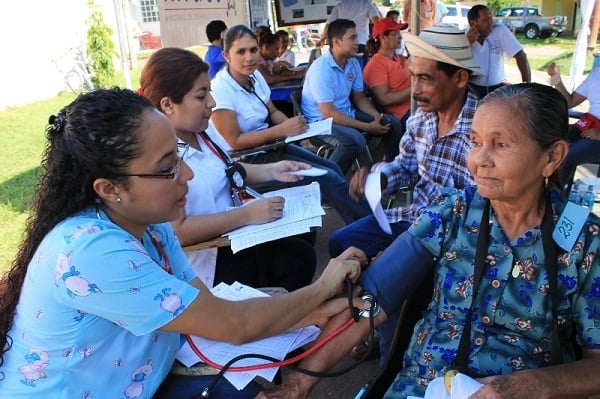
397 272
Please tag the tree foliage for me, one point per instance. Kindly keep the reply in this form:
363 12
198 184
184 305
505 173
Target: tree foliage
496 5
100 47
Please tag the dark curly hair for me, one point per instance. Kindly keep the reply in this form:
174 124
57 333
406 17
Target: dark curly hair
96 136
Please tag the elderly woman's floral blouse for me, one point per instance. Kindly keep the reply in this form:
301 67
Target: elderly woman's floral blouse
512 325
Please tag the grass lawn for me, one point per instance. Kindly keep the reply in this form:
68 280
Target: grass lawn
22 139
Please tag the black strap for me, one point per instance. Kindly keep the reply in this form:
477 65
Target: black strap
461 363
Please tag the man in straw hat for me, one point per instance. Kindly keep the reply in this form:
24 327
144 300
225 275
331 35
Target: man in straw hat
432 151
432 155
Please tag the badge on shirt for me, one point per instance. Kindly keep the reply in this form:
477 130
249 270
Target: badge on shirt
569 225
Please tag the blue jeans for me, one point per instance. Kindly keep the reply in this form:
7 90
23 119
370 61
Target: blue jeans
186 387
366 235
349 143
580 151
334 186
391 141
393 277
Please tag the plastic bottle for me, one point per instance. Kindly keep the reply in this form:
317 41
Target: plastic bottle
574 195
589 198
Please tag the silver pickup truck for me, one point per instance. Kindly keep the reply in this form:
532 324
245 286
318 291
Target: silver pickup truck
528 20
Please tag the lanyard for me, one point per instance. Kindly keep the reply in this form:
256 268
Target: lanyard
550 254
215 149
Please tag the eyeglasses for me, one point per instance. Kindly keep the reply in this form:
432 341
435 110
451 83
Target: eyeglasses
173 174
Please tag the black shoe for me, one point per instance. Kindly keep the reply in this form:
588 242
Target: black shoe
359 350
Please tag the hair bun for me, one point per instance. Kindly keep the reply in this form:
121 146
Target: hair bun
57 121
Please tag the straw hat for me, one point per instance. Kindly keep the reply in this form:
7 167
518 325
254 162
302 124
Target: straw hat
444 43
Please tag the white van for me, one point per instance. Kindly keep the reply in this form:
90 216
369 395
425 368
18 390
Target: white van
457 16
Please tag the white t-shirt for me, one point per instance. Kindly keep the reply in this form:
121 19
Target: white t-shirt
359 11
250 107
590 89
287 56
490 55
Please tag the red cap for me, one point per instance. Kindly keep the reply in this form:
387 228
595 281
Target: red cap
387 24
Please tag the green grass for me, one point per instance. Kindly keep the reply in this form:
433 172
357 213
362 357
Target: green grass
542 52
23 138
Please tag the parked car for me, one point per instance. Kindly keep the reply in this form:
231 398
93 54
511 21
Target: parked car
528 20
457 16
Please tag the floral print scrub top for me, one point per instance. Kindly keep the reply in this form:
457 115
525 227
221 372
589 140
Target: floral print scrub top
91 308
512 325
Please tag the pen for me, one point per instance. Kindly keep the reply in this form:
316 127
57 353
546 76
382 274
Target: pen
253 192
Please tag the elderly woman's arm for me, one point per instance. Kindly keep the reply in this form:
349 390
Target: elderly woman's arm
578 379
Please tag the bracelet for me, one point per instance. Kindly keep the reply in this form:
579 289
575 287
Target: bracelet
555 79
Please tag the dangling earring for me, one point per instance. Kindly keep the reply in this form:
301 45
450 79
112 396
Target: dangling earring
546 182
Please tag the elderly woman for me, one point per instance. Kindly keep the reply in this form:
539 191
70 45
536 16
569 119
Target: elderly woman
507 300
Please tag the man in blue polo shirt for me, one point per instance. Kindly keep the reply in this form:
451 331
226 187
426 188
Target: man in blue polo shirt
332 82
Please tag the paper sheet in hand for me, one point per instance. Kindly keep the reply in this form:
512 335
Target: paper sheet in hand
373 194
302 211
314 129
309 172
221 352
463 386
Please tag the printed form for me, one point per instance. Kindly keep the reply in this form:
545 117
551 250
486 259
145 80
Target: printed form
302 211
221 352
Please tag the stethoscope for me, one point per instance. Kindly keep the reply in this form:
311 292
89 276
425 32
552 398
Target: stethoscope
274 362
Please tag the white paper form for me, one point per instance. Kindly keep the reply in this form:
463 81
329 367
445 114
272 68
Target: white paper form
373 195
221 352
314 129
302 211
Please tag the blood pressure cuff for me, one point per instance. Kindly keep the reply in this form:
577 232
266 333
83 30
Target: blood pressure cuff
398 272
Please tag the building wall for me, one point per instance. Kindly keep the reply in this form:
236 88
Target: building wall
34 33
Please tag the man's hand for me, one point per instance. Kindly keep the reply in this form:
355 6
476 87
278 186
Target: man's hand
376 128
472 34
553 69
357 183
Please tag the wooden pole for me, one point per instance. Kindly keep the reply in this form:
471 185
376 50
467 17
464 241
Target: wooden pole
594 25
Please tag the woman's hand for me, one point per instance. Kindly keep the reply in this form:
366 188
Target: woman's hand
265 210
348 264
294 126
281 171
511 386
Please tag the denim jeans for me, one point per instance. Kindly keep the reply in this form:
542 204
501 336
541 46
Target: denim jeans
580 151
188 387
334 186
366 235
349 143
